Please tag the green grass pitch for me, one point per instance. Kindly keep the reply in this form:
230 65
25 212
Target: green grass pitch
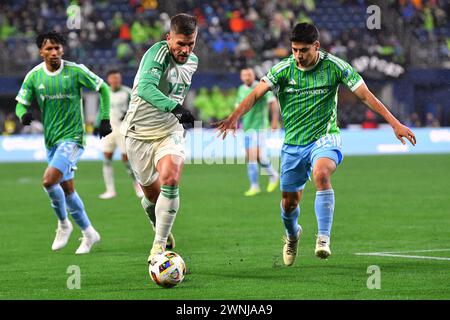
232 244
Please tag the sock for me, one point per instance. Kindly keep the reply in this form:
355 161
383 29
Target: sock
252 171
108 175
129 170
57 200
165 211
265 164
290 221
324 206
149 208
76 209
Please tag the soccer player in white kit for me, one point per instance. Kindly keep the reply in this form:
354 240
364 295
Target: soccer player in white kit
120 99
155 122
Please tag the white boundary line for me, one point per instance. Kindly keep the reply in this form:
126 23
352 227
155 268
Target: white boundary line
396 255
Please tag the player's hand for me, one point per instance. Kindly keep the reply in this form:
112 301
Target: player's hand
26 118
184 116
105 128
401 131
224 125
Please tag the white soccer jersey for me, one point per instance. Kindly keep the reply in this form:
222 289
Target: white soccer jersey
120 100
149 121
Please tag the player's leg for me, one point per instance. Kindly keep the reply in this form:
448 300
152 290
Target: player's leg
65 159
109 146
169 168
148 202
326 156
136 185
51 179
108 176
294 174
264 161
251 154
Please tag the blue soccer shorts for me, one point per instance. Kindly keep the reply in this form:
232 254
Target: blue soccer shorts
297 162
64 157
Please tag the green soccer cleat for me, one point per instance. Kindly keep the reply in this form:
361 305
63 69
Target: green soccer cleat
323 247
272 185
252 192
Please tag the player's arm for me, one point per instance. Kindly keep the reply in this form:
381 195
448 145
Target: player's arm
401 131
275 114
91 81
151 71
24 98
246 104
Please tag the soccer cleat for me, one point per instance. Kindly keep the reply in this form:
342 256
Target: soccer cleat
290 248
107 195
90 237
273 184
62 236
156 249
252 192
138 190
323 247
170 244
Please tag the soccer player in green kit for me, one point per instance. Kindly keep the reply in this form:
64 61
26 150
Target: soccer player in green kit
254 123
306 84
56 85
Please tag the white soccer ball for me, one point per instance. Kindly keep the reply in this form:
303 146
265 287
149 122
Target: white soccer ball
167 269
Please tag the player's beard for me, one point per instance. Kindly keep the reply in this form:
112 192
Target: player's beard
55 63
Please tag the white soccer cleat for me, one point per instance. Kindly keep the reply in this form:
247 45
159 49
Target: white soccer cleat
156 249
62 235
290 248
138 190
323 247
108 195
90 237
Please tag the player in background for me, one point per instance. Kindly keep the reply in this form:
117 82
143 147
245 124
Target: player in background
254 123
306 84
120 98
56 85
155 122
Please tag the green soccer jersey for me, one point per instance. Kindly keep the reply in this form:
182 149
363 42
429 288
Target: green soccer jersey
308 98
258 117
59 98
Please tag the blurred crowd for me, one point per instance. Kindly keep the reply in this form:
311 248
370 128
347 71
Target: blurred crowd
116 33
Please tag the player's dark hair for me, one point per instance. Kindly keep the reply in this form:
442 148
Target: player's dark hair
183 23
305 32
53 36
112 71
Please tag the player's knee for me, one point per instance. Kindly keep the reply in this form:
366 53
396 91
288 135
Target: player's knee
169 180
322 178
289 204
48 181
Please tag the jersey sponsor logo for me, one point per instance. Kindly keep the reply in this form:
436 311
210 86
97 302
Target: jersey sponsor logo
57 96
302 92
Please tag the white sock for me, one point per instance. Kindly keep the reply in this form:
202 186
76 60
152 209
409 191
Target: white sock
63 223
108 175
166 210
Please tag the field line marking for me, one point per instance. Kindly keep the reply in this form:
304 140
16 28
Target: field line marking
386 254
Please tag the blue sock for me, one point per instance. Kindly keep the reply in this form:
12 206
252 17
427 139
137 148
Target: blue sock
324 206
58 201
76 208
252 171
290 221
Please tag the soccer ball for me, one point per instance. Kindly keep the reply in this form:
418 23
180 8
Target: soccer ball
167 269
